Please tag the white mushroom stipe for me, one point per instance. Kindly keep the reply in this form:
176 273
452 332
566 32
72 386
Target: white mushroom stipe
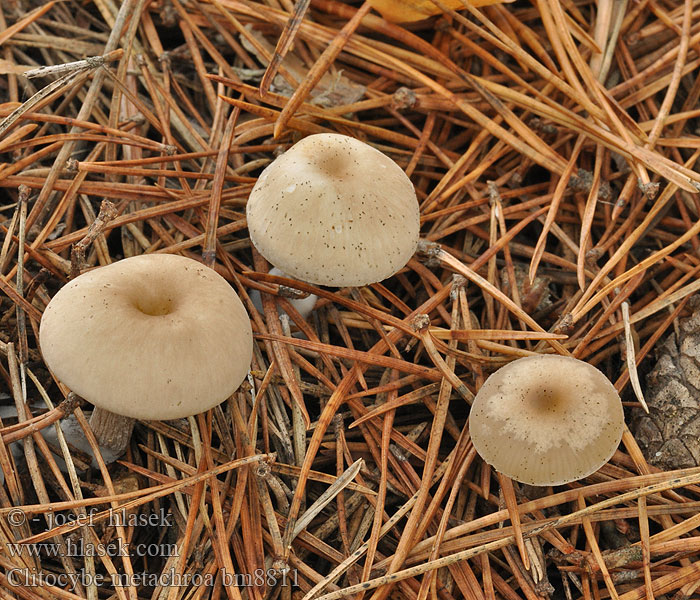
334 211
546 420
304 306
148 337
74 435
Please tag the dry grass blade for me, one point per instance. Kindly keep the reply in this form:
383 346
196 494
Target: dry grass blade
209 252
325 498
590 536
421 324
356 355
284 43
631 361
554 207
512 506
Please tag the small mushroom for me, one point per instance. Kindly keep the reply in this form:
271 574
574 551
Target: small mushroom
150 337
546 420
334 211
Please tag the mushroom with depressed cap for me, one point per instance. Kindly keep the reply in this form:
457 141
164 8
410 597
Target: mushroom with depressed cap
151 337
334 211
546 420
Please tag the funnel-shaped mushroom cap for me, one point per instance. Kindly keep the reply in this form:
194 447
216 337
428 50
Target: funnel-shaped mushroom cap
546 420
334 211
152 337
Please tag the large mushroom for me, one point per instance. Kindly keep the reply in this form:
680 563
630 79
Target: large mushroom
149 337
546 420
334 211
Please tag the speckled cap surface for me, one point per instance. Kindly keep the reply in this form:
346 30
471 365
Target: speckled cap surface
546 420
334 211
151 337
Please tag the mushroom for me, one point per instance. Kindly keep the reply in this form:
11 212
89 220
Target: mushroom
334 211
546 420
149 337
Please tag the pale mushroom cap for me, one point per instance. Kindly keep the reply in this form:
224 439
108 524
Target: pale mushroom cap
334 211
151 337
546 420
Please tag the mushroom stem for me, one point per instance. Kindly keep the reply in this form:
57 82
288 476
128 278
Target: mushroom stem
112 431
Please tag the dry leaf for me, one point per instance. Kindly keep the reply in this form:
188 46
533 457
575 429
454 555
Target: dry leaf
406 11
535 297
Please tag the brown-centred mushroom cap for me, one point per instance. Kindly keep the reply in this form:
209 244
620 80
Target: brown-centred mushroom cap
334 211
546 420
151 337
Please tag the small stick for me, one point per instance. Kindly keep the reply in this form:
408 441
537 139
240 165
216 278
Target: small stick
415 526
284 43
67 78
590 536
77 255
644 542
14 433
31 103
23 197
422 326
320 66
332 405
298 422
87 64
512 506
209 251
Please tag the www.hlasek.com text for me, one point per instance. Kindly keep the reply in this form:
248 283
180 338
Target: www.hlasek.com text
80 548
